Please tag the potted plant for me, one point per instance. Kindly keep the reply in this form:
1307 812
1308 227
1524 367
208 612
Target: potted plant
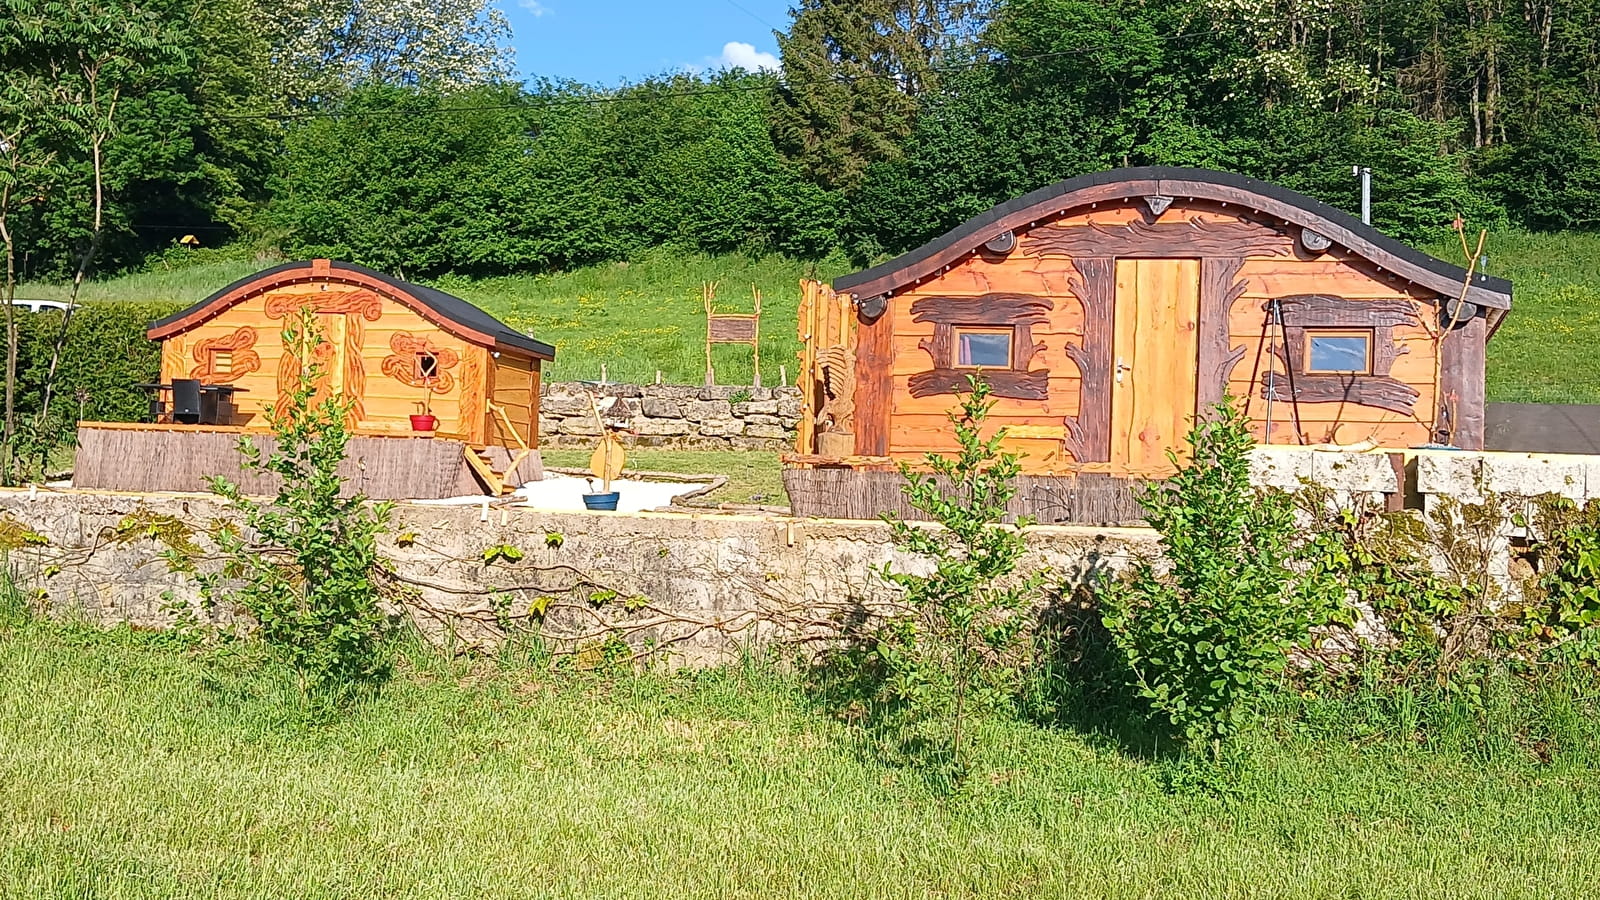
606 464
425 422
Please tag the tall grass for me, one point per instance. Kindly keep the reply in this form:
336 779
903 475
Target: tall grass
129 768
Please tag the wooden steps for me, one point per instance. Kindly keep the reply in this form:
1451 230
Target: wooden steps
498 482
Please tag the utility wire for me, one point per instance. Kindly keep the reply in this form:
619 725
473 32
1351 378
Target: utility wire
545 103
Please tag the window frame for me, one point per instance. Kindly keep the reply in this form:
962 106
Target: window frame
1365 334
1009 332
423 377
221 361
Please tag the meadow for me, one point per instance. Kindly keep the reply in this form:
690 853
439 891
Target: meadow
645 316
132 766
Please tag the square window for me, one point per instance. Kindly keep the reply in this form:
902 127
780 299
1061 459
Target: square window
222 362
426 366
1339 352
989 348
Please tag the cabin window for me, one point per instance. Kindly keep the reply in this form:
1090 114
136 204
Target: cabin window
1338 352
988 348
426 366
221 362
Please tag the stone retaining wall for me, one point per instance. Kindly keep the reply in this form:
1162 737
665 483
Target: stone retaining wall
673 416
706 586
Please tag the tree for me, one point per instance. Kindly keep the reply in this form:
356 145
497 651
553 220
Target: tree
322 48
853 71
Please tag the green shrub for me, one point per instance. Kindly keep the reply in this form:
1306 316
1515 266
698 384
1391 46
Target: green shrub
1562 605
305 568
959 644
106 354
1206 638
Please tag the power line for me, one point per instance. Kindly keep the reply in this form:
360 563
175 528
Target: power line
767 85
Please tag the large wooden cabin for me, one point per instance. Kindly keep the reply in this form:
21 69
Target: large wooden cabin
1106 312
390 347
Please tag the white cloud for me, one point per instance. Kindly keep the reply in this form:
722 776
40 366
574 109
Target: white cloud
738 54
533 7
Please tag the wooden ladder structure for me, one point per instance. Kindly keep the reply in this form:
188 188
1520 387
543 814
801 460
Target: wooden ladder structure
498 482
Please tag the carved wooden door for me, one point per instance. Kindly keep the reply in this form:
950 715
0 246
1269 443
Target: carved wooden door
1155 357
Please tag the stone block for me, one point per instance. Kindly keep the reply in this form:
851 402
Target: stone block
661 408
756 407
705 410
789 408
1354 472
1532 476
759 394
722 427
720 391
1453 473
630 391
565 405
659 427
764 420
580 425
1279 467
773 432
757 443
788 392
671 391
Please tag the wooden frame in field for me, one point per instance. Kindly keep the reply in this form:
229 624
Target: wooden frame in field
731 328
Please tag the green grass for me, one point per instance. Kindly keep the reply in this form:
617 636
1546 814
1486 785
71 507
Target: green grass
133 770
1545 351
754 476
645 315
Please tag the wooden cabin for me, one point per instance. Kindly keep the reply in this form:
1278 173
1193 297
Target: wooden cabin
392 348
1107 311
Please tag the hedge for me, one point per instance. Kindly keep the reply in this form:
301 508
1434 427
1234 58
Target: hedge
106 354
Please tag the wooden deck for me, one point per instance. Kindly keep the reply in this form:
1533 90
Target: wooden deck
121 456
844 492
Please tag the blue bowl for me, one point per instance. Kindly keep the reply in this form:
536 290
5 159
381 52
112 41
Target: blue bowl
601 501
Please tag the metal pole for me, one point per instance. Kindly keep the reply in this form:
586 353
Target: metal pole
1365 174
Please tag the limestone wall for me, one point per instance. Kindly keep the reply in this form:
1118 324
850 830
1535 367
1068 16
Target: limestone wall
673 416
704 585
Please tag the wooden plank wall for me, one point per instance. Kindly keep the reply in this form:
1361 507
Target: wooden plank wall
1082 499
180 458
516 388
1268 265
386 402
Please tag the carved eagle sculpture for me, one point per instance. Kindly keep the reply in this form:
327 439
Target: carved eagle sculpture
839 387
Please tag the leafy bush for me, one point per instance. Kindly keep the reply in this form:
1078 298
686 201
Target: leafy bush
1206 637
1563 608
305 569
959 644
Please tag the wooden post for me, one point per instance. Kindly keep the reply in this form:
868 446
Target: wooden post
805 434
755 341
708 293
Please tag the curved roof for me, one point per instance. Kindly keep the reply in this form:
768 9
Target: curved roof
1203 184
449 312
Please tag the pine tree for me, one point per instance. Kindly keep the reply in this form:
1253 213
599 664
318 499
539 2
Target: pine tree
852 73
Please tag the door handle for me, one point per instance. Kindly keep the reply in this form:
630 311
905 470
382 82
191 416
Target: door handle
1122 367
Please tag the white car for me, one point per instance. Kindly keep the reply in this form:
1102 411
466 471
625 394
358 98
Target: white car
38 305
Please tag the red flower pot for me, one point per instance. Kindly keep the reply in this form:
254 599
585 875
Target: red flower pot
424 423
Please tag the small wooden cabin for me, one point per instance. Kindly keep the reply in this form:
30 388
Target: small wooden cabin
1106 311
387 345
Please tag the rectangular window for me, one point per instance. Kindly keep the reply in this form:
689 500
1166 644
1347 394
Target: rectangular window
221 362
1342 352
989 348
427 366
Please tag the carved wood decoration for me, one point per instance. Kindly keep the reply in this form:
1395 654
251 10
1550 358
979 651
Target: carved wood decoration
1220 287
1377 390
366 304
1019 312
402 364
1094 283
1314 241
354 386
837 417
474 415
1158 204
237 345
1195 237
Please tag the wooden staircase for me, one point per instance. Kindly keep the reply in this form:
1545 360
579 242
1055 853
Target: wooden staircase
499 482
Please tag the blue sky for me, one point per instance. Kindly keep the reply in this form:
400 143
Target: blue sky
608 41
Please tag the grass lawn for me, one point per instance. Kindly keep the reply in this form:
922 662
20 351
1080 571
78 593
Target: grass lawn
129 769
754 476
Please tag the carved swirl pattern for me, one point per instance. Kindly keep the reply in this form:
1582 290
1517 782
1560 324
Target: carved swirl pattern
366 304
245 360
402 364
